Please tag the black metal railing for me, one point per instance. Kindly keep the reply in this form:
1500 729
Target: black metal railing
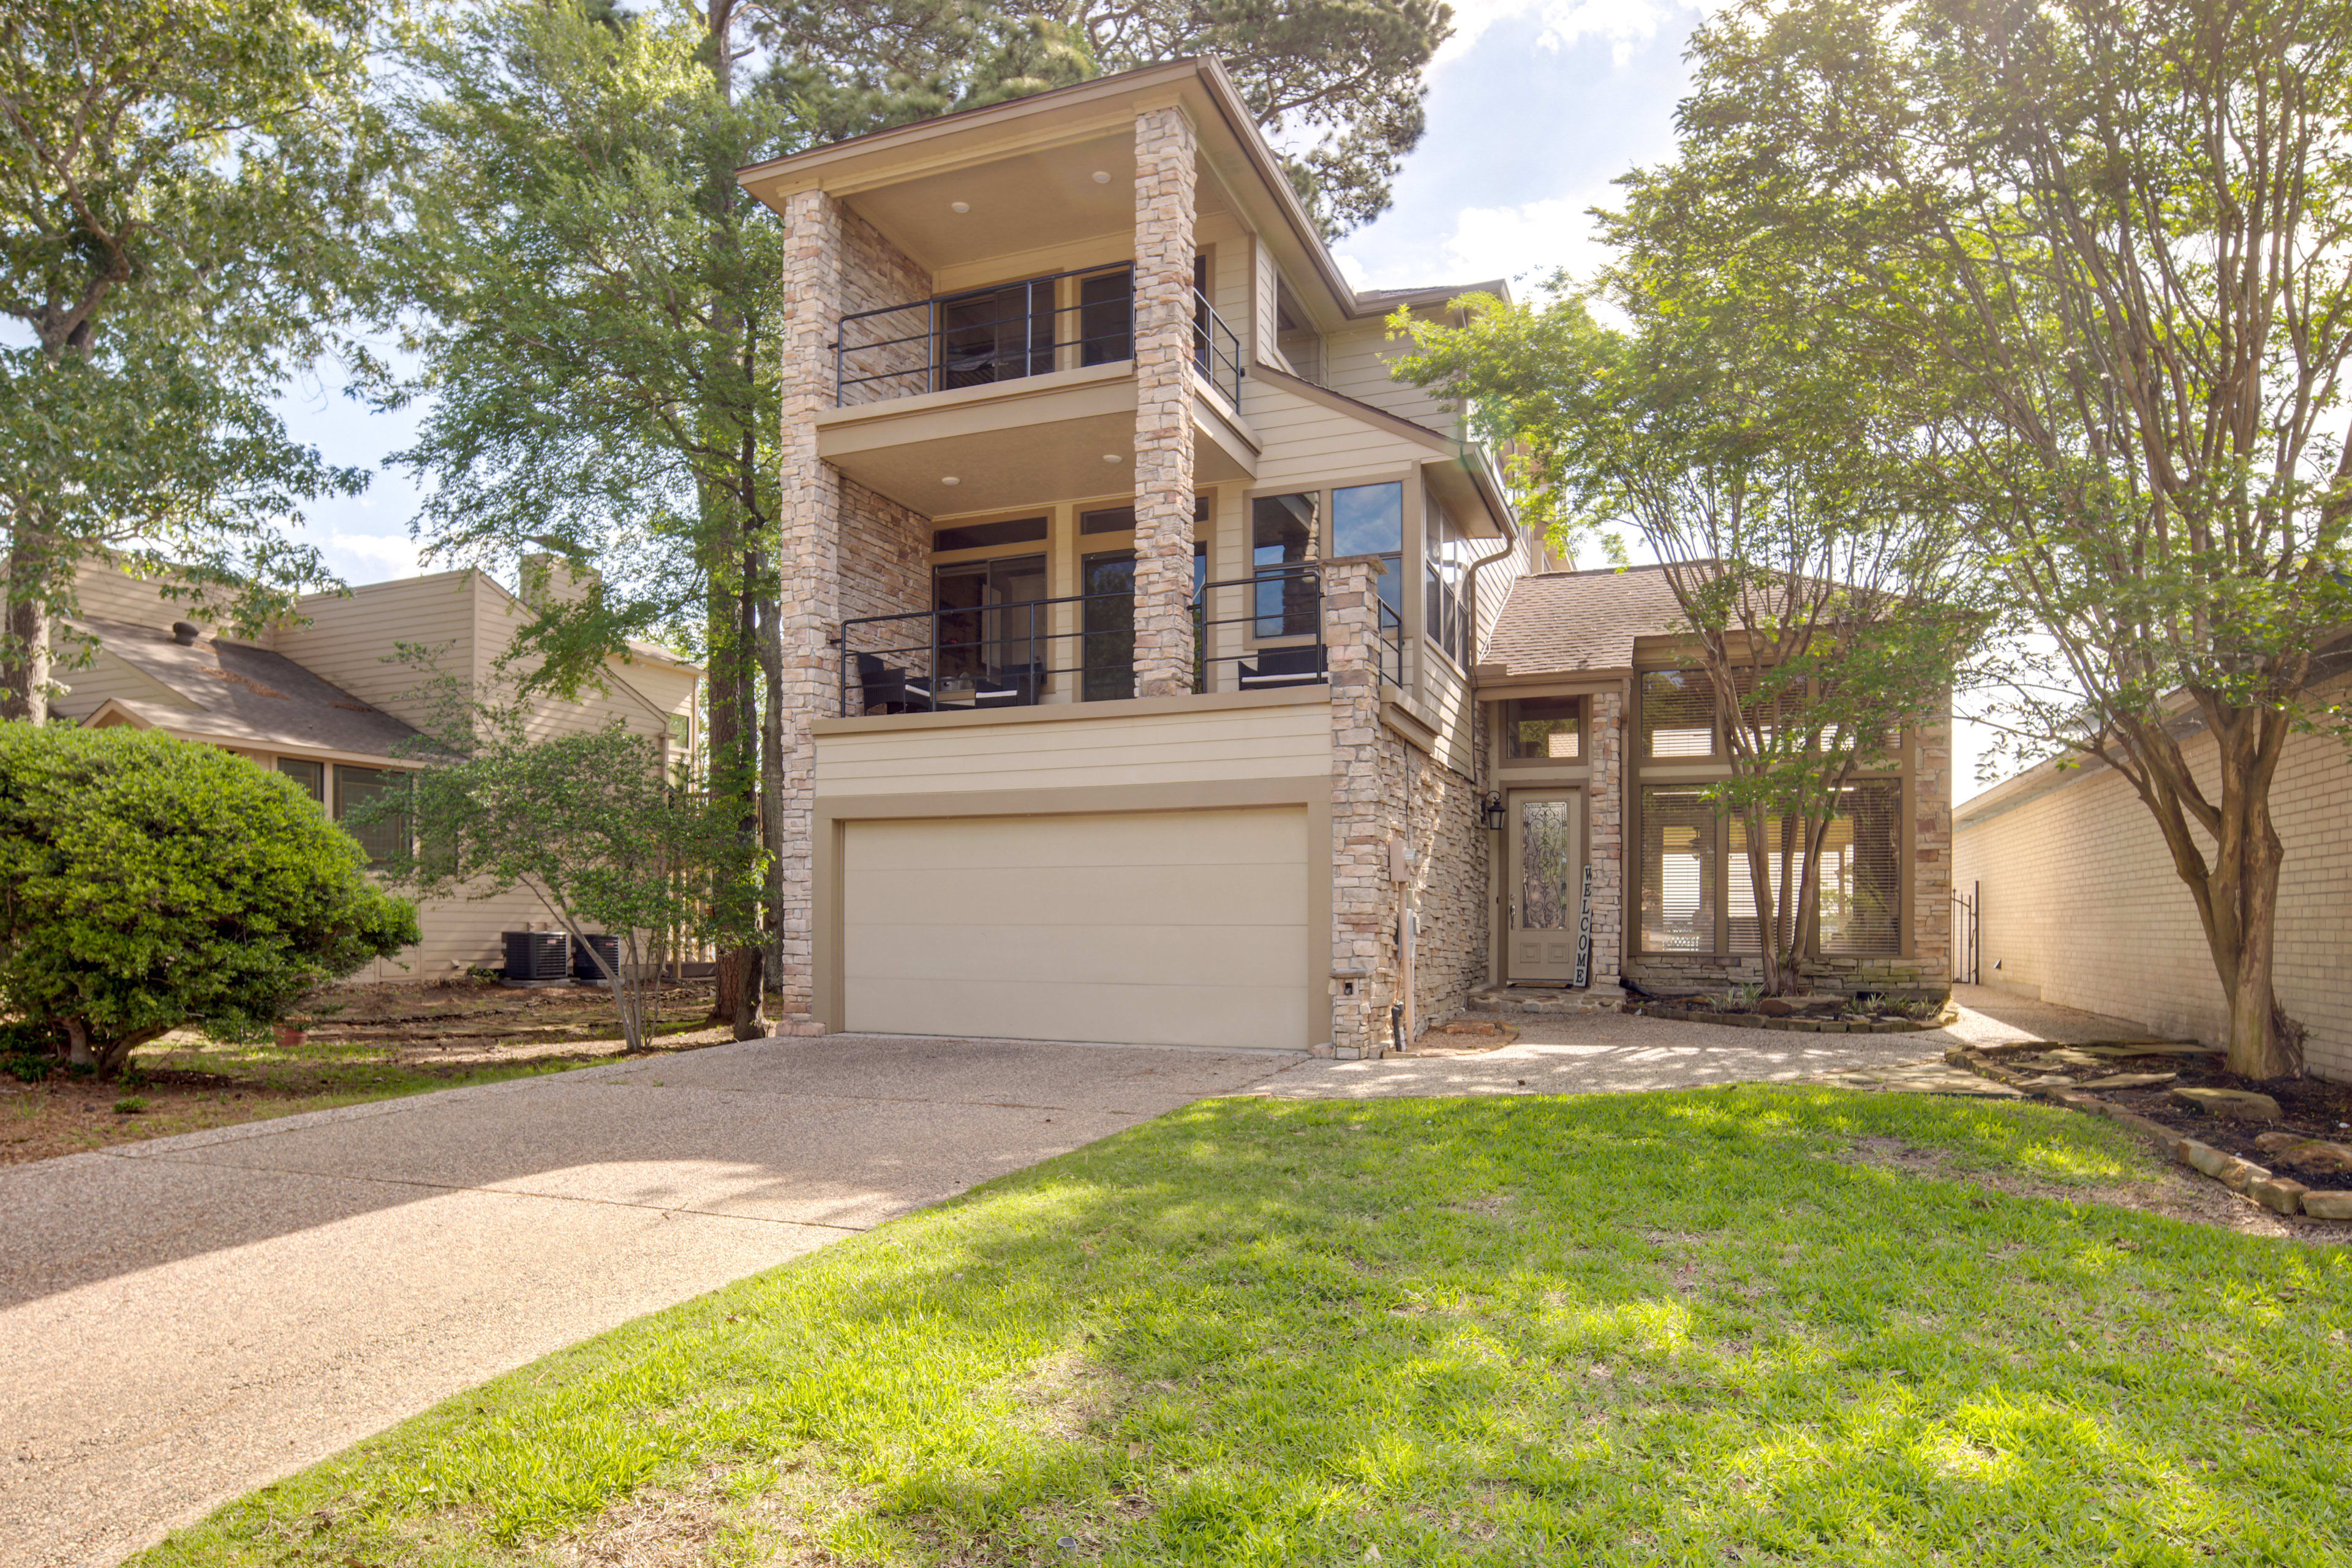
1011 332
985 335
1280 612
1217 349
1388 645
1022 653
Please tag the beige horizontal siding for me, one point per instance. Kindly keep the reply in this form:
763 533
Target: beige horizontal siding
350 641
1290 741
92 687
1357 363
1305 444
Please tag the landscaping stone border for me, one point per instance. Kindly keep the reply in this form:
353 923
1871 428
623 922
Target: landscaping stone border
2280 1194
1798 1024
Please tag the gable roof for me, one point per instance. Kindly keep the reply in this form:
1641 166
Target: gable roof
1565 623
245 696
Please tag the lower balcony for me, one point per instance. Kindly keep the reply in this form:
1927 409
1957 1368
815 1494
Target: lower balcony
1261 632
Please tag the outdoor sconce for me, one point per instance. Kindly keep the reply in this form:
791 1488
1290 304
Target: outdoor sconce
1493 811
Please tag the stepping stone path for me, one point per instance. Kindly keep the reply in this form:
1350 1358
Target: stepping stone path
1929 1075
2128 1081
2237 1104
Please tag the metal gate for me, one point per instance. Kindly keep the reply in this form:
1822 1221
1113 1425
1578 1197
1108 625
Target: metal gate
1965 908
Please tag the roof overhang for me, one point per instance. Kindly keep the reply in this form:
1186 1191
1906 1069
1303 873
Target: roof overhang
1093 120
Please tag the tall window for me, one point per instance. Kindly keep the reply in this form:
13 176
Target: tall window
383 836
1108 620
1282 549
1861 871
1445 575
1369 519
1680 870
1693 862
1677 715
996 630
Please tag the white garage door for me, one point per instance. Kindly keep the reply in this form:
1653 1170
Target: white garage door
1159 928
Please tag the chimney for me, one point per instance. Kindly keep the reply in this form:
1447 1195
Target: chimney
548 579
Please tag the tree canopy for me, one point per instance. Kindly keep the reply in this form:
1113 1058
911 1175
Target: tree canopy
183 184
2119 234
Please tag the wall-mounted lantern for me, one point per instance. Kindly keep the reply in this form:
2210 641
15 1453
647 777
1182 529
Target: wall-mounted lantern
1493 811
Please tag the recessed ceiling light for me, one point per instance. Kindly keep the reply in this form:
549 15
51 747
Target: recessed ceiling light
1102 176
959 207
950 480
1110 457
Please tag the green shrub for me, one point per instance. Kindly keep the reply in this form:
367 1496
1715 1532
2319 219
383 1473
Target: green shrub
148 883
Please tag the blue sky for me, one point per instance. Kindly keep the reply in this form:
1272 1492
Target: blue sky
1535 106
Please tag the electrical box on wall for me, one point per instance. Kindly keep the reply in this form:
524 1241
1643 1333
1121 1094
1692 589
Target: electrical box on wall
1400 860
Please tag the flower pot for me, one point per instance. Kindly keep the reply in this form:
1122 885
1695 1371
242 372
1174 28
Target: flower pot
289 1037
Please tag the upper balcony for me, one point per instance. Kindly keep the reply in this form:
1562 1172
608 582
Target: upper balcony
1012 331
1017 392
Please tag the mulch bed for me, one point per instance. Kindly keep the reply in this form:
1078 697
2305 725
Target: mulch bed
2298 1158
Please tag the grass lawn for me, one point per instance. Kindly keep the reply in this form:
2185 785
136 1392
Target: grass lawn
1738 1325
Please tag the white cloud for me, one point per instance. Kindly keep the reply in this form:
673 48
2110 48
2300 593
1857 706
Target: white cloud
1622 23
1526 243
372 555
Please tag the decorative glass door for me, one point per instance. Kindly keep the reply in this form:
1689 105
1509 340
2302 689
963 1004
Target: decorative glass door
1544 884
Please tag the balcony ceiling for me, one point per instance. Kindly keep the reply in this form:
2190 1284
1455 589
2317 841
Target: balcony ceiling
1024 201
1027 443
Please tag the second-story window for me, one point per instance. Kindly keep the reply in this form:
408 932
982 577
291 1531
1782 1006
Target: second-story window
1369 519
1282 547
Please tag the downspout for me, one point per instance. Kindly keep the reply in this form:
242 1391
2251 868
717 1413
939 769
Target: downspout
1513 538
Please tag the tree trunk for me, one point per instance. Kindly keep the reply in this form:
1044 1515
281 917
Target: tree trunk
25 653
2264 1042
1765 894
771 765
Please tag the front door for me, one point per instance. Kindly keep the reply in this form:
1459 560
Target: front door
1544 884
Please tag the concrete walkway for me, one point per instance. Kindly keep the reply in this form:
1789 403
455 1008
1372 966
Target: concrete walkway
184 1320
1599 1053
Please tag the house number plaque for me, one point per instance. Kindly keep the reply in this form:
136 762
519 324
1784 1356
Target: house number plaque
1584 932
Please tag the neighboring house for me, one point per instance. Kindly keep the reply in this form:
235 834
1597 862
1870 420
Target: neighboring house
322 698
1155 661
2078 902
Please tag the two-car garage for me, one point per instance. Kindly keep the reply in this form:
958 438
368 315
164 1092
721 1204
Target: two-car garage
1149 927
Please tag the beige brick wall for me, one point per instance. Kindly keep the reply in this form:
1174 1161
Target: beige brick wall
1166 155
2081 901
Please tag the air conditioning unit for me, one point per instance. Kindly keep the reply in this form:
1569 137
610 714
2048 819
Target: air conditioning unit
584 967
536 957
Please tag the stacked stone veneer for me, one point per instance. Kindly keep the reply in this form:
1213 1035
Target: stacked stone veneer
843 551
893 349
1925 973
1166 161
1368 774
1449 886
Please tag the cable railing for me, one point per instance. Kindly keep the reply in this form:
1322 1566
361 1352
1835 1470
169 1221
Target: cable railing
1063 321
1080 648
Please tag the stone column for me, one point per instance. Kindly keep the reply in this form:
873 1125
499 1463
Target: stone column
809 561
1607 850
1931 851
1367 815
1165 154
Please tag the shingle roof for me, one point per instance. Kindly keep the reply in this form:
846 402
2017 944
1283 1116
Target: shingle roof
246 696
1557 623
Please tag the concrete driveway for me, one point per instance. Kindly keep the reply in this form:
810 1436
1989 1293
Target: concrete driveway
184 1320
